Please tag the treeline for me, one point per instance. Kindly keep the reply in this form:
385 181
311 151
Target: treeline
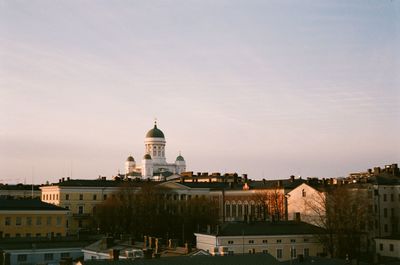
154 211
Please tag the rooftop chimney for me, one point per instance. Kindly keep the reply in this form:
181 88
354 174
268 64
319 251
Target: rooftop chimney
114 254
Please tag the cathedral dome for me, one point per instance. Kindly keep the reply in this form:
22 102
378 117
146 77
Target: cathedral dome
180 158
130 159
155 133
147 157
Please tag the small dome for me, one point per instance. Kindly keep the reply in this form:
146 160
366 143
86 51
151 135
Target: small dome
130 159
180 158
147 156
155 133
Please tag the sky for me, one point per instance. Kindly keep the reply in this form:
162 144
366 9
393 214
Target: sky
267 88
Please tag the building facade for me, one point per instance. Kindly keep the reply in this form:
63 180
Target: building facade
28 218
283 240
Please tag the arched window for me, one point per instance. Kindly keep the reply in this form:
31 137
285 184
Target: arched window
227 209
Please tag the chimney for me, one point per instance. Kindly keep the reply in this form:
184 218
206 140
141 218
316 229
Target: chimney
156 246
279 183
292 178
187 248
145 242
114 254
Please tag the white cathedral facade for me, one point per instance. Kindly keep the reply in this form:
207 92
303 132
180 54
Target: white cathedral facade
154 163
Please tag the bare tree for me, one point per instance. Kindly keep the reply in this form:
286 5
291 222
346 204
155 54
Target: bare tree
272 203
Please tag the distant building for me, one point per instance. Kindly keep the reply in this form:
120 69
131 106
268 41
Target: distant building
18 252
154 164
81 196
28 218
388 246
283 240
19 191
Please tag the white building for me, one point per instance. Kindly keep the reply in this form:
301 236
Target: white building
154 163
283 240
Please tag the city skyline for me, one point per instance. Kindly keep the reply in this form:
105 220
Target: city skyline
271 89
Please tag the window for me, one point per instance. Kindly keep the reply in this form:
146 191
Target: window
240 210
17 235
58 220
80 224
384 197
279 253
65 255
8 221
292 240
265 251
22 257
246 209
38 235
6 235
228 210
105 197
48 220
28 220
48 256
234 210
18 220
385 212
265 241
58 234
94 197
28 235
392 197
80 197
303 193
306 252
391 247
80 209
251 241
278 241
386 228
380 247
67 197
306 240
38 220
230 242
293 252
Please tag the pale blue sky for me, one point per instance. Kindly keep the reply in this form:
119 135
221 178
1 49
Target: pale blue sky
268 88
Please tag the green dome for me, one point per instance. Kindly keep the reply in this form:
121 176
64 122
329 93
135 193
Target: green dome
180 158
155 133
130 159
147 156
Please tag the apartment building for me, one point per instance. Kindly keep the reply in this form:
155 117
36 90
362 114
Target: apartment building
28 218
81 196
284 240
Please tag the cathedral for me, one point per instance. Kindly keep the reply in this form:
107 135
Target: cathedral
154 164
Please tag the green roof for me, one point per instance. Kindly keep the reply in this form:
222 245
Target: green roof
155 133
180 158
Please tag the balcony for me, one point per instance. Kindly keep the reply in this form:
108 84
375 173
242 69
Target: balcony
81 215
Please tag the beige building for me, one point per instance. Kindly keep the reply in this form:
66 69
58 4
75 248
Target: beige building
388 246
284 240
81 196
27 218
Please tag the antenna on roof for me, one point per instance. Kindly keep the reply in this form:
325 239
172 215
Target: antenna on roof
32 183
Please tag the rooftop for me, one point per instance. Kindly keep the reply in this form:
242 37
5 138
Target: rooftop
267 228
27 204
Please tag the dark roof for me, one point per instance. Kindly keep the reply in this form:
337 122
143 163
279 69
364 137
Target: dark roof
19 186
258 184
317 261
147 156
255 259
21 243
268 228
27 204
155 133
94 183
130 159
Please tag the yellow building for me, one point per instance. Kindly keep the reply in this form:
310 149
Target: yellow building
32 218
81 196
